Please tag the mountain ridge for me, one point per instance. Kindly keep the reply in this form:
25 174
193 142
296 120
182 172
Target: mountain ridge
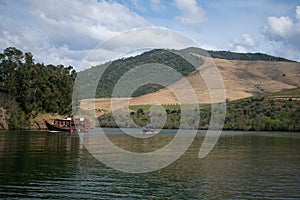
229 55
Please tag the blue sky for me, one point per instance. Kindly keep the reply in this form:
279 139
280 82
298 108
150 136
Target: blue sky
66 31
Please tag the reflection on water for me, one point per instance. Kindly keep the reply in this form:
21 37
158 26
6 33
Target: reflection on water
42 165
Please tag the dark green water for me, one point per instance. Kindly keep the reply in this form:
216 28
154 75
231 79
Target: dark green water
42 165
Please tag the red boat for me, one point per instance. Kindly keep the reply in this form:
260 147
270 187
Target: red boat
69 125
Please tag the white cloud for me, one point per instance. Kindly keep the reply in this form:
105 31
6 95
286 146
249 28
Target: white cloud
244 44
138 5
137 40
192 13
297 13
62 31
284 30
157 5
279 28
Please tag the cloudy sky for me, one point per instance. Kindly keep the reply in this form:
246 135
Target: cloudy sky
66 31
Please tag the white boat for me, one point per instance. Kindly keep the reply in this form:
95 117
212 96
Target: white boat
148 129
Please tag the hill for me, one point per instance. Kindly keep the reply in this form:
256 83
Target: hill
112 71
108 74
241 79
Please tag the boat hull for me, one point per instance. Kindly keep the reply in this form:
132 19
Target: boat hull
53 128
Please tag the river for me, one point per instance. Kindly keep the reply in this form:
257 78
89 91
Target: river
242 165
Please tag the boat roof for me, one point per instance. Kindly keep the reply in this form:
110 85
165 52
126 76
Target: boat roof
68 119
71 119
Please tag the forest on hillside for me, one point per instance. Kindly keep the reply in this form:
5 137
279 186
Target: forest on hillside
245 56
114 70
35 87
228 55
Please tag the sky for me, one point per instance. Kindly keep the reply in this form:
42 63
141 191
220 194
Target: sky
66 31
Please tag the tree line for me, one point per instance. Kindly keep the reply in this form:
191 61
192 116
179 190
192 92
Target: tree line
36 87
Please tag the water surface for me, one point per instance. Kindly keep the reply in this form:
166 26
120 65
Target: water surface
243 165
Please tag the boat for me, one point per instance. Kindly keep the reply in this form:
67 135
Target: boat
148 129
69 125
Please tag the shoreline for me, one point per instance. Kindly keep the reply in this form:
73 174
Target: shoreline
173 129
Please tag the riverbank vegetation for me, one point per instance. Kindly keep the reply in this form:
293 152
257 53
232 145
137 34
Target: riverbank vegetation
278 111
28 88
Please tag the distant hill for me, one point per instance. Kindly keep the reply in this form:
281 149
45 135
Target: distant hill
172 58
228 55
245 56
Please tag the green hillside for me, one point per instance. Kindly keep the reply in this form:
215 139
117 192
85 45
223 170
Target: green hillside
116 69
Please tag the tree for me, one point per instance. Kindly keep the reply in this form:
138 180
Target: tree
11 60
36 87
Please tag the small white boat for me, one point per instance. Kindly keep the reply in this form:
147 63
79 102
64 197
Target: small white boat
148 129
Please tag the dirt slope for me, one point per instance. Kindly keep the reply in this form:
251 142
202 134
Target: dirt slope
241 79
